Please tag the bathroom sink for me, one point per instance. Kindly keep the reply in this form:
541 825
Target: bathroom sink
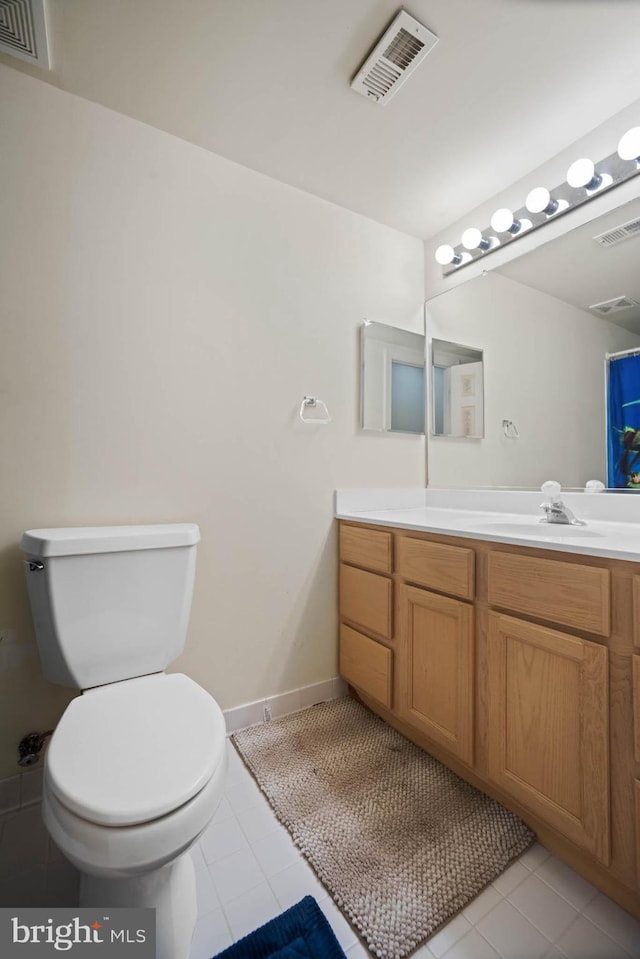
535 528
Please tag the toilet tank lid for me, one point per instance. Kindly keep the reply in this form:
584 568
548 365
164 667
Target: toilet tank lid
74 541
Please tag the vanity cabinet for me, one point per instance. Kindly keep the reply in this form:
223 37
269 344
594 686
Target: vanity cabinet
435 668
366 611
369 548
548 727
569 594
366 664
366 600
445 569
517 667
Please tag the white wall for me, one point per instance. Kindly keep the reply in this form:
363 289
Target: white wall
163 313
543 369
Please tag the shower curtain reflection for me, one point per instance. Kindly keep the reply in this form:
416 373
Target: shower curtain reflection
623 420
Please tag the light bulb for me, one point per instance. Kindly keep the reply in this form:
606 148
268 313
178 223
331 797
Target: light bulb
582 173
503 221
445 254
629 146
539 200
472 239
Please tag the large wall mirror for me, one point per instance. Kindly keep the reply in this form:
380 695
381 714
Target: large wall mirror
393 379
544 323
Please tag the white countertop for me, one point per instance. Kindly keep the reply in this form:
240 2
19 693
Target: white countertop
612 520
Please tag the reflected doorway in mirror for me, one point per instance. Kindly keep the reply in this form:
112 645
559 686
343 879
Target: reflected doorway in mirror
457 378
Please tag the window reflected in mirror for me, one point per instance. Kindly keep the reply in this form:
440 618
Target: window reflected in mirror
458 390
393 379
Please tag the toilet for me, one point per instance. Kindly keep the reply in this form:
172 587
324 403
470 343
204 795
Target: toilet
136 766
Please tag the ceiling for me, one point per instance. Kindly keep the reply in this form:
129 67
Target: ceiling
576 269
266 83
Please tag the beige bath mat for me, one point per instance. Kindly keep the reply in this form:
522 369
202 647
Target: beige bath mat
400 842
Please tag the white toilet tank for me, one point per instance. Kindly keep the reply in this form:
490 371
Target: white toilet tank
110 602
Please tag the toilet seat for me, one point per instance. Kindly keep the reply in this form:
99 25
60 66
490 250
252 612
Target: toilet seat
131 752
126 851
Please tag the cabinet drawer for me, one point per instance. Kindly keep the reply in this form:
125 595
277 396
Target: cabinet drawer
365 599
447 569
564 593
366 664
370 548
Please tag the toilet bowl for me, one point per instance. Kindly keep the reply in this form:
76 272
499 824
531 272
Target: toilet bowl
136 766
124 809
133 772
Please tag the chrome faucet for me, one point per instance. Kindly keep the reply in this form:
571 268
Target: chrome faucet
555 510
559 513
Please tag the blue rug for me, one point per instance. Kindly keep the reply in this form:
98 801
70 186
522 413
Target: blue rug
301 932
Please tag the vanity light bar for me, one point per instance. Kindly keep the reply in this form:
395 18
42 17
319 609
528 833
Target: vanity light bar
585 179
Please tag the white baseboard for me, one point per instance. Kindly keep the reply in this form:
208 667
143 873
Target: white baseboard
239 717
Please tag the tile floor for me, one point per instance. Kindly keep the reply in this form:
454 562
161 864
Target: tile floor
248 870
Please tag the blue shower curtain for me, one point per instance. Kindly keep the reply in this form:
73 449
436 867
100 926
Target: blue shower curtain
623 423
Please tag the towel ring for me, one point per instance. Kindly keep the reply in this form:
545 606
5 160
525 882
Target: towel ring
311 402
510 430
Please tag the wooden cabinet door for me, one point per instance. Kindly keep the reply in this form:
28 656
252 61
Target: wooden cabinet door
435 660
548 735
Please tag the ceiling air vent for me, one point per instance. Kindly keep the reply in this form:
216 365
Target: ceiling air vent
615 305
23 31
619 233
395 56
